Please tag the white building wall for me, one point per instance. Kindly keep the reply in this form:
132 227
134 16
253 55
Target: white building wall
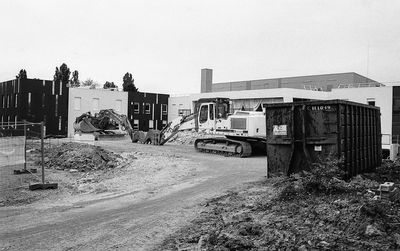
287 94
93 100
383 97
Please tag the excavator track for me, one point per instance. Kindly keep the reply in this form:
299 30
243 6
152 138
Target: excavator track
225 146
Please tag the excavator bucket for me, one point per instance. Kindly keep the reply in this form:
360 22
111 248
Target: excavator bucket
85 126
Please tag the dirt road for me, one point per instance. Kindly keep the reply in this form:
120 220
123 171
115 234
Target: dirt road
135 220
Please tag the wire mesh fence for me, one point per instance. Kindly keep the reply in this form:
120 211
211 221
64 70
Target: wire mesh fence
21 156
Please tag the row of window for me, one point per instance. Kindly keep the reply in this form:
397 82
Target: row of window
135 124
96 104
118 106
147 108
8 101
15 86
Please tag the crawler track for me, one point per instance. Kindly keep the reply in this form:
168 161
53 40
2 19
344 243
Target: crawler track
224 146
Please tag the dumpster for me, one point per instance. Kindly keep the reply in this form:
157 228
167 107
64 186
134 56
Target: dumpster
302 133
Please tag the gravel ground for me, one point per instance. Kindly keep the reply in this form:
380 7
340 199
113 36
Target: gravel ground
129 207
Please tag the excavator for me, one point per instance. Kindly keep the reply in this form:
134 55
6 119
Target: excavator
105 122
238 134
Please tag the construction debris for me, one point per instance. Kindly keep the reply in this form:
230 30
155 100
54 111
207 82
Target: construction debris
80 157
188 137
309 211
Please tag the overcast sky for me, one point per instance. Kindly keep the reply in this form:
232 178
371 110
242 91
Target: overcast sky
165 44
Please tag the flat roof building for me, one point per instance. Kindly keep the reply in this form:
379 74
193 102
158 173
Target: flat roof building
323 82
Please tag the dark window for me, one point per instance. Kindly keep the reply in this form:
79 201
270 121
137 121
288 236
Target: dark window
136 108
43 99
136 124
164 109
371 103
211 112
204 113
29 102
183 112
147 108
56 108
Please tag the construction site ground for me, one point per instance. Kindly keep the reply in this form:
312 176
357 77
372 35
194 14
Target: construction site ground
133 203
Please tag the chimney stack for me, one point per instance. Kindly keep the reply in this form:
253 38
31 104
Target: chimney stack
206 80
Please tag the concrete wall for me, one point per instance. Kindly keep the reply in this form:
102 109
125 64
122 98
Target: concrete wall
84 100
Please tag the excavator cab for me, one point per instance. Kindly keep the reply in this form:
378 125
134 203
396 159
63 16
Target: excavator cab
210 112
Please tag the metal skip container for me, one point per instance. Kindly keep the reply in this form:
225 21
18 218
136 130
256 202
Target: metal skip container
302 133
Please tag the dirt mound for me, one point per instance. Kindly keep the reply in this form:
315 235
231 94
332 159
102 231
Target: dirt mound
80 157
188 137
388 171
309 211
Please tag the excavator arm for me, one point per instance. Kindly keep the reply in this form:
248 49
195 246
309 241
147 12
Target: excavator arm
101 122
173 127
122 120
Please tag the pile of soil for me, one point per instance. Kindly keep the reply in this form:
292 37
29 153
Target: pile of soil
304 212
80 157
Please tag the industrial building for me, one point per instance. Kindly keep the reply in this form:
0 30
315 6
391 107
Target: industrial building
57 105
324 82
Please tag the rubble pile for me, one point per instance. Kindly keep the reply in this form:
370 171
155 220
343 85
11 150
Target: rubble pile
80 157
308 211
388 171
188 137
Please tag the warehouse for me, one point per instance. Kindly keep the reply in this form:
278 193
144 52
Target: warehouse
324 82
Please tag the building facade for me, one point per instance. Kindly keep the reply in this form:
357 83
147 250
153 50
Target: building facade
35 100
83 100
147 110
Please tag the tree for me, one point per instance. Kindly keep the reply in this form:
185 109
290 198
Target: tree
62 74
128 84
91 83
22 74
88 82
108 85
74 82
57 75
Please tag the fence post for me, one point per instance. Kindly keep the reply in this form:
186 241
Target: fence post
24 121
42 146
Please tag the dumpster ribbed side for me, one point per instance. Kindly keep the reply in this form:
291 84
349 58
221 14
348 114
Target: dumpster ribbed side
316 130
